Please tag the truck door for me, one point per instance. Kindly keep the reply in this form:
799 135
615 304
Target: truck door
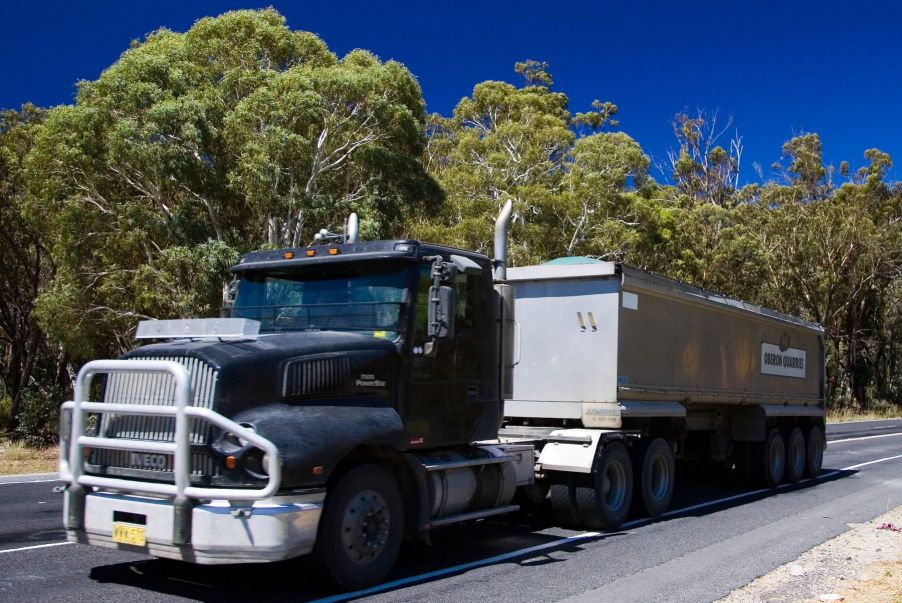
449 389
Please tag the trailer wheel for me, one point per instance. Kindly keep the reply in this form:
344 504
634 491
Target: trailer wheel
563 506
361 527
604 503
769 458
655 477
814 458
795 455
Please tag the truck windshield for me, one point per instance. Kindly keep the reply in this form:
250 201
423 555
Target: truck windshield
337 298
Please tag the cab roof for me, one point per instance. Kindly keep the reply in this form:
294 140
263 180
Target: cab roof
333 253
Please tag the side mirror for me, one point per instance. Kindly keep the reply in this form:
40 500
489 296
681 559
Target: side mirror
229 293
441 312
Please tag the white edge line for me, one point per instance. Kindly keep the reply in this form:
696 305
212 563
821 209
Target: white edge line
37 546
557 543
871 437
31 481
458 568
888 458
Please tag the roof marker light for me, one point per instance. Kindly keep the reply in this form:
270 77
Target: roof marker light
288 255
311 253
333 251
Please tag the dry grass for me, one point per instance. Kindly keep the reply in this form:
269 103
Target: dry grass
847 415
16 459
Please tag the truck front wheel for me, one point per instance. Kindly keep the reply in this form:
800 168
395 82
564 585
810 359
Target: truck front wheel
361 527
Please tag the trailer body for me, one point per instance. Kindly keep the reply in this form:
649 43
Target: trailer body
606 345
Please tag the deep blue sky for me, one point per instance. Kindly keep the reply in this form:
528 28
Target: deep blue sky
829 67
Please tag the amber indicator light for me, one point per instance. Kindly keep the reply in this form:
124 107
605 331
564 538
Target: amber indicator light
231 462
311 253
318 470
333 251
288 255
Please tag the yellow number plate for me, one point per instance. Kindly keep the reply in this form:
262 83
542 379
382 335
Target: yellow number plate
128 534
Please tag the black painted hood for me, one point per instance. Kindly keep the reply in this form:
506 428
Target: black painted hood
301 368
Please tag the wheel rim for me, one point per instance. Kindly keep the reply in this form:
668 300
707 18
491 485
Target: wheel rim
614 488
365 527
660 478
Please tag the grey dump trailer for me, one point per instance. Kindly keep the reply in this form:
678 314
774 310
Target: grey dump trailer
356 394
669 368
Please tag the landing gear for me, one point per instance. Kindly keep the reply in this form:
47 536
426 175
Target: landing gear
361 527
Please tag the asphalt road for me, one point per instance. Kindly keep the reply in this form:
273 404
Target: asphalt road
718 537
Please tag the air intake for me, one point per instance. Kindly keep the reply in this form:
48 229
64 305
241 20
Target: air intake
312 376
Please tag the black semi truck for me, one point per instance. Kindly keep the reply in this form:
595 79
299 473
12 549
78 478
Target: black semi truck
356 394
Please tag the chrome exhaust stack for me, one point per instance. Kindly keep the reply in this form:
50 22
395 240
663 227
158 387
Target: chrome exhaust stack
501 224
352 230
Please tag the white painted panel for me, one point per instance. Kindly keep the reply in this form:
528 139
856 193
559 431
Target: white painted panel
630 300
787 363
568 341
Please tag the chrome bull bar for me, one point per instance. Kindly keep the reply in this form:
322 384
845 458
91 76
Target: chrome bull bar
72 456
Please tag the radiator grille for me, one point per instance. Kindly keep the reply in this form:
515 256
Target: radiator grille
155 389
316 376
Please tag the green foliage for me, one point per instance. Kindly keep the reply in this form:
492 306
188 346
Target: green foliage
6 408
191 148
799 243
241 133
38 419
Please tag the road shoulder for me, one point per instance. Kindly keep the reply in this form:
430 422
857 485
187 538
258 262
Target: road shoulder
862 564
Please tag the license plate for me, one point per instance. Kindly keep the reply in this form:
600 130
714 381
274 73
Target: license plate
128 534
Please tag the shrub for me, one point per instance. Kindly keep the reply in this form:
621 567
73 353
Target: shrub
38 418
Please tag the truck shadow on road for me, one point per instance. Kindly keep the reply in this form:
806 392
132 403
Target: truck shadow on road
528 539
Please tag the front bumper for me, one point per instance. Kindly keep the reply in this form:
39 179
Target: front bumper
273 529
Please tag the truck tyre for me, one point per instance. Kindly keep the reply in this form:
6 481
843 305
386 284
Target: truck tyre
654 477
769 460
361 527
814 445
604 503
563 505
795 455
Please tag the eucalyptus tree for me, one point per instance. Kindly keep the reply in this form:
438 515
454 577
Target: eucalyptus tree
834 255
522 143
195 146
31 367
312 144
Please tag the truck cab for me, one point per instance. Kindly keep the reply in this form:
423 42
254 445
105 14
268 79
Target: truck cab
342 372
367 306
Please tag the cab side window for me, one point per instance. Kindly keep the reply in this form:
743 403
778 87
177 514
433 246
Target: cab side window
465 289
